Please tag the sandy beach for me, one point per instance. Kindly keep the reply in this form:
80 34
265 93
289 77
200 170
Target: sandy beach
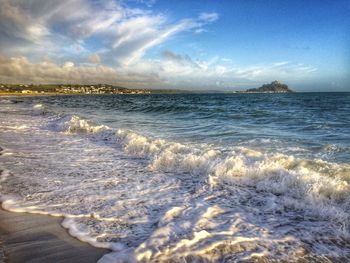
37 238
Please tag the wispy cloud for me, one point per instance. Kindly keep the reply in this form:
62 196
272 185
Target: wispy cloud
180 70
208 17
37 27
47 26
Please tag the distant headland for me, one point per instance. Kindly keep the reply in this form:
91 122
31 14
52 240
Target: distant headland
273 87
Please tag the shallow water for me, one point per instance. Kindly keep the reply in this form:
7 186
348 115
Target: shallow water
203 177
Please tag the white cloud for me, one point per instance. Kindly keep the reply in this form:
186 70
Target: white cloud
94 58
208 17
281 63
182 71
136 35
68 65
41 27
21 70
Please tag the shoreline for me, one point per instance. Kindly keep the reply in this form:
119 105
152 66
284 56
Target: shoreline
37 238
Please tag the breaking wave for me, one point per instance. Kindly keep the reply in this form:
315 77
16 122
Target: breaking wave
321 187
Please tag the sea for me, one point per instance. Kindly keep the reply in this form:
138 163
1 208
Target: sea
185 177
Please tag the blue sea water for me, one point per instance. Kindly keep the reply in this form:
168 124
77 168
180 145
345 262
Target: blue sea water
185 177
318 123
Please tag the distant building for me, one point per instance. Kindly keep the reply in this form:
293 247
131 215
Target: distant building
26 91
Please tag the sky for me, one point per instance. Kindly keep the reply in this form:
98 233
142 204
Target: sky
177 44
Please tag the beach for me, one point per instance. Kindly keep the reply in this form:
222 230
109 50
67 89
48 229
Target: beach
210 177
37 238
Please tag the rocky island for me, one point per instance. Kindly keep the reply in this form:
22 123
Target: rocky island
273 87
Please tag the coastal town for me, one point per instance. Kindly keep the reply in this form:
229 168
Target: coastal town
32 89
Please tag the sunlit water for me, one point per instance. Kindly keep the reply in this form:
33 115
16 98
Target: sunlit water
185 178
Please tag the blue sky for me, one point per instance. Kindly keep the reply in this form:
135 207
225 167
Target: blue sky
207 44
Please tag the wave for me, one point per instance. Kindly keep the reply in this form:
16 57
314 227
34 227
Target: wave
5 101
42 109
10 101
75 124
317 185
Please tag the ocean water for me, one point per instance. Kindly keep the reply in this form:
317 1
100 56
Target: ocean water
185 178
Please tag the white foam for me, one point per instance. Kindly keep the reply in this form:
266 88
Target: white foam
76 124
38 106
5 101
41 109
319 185
84 236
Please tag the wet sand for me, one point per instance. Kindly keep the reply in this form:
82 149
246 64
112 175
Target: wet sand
41 239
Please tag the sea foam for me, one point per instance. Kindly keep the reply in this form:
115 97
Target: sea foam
316 185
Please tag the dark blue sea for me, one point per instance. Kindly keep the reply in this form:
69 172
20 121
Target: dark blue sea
185 177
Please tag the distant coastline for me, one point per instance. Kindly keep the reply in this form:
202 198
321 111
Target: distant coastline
75 89
65 89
